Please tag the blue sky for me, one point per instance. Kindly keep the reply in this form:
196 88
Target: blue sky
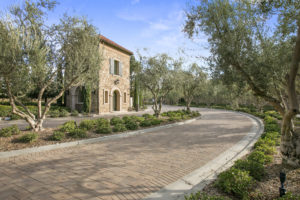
135 24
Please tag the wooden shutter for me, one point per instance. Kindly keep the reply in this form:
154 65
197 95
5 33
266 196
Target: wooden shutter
111 66
120 68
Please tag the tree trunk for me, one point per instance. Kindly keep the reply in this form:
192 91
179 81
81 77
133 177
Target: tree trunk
290 143
188 104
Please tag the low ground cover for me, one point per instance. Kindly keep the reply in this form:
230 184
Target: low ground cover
12 138
256 176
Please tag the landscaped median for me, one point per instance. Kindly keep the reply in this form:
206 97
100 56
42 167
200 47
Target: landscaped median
249 177
11 138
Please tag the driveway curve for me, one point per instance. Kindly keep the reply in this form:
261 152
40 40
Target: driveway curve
123 168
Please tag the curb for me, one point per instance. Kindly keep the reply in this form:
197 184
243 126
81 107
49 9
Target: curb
14 153
198 179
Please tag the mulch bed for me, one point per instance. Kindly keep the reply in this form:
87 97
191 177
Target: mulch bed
268 188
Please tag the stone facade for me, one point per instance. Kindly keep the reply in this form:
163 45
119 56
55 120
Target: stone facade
113 93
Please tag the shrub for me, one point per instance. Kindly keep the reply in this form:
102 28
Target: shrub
155 121
54 113
116 120
119 128
270 120
87 124
101 121
104 128
235 181
172 119
260 157
126 119
74 113
203 196
271 135
148 116
146 123
28 138
289 196
9 131
63 113
256 170
78 133
57 136
263 142
68 126
267 149
273 113
131 125
272 128
195 114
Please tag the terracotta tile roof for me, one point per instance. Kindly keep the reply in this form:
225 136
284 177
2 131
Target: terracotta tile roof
115 45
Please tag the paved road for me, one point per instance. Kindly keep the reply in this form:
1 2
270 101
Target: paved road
126 168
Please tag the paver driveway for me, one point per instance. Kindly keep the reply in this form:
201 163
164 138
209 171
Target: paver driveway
125 168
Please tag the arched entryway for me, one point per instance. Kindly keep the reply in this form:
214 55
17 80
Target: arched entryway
116 100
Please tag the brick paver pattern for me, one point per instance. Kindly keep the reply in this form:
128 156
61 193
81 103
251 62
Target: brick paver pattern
126 168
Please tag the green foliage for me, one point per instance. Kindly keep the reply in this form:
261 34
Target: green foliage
119 128
155 122
67 127
28 138
272 128
116 120
131 124
104 128
146 123
101 121
57 135
260 157
235 181
267 149
148 116
269 120
9 131
289 196
204 196
88 124
263 142
78 133
74 113
256 170
63 113
273 113
54 113
87 99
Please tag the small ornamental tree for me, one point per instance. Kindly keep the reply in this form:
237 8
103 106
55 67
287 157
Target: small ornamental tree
31 53
191 81
157 76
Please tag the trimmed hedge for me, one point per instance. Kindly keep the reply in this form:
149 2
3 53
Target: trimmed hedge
88 124
204 196
131 125
255 169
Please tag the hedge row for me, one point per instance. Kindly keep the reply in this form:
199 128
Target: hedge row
117 124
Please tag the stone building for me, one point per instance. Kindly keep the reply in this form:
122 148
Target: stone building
113 93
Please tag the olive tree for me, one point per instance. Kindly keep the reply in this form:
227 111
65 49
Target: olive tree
191 81
32 52
244 48
157 76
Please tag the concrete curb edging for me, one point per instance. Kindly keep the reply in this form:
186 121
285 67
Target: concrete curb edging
19 152
198 179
